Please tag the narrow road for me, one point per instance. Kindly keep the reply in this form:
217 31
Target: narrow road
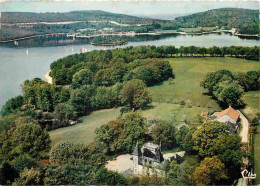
245 126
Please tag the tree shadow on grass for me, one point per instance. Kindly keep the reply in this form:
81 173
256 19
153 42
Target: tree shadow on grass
148 107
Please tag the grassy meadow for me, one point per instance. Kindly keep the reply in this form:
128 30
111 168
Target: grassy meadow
167 97
84 132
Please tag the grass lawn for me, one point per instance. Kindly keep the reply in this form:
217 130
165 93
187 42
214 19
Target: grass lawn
178 114
253 99
84 132
189 72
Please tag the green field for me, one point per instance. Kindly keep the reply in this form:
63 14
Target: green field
84 131
189 72
253 99
176 113
166 98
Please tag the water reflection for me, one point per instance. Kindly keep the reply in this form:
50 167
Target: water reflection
227 39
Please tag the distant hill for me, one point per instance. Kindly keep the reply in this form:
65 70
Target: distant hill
89 15
245 20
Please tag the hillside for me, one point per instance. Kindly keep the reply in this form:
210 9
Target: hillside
21 24
90 15
245 20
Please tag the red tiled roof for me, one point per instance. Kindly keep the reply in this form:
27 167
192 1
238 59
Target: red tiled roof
229 111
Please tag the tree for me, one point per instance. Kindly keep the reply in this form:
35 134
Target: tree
82 77
242 80
54 175
75 152
29 177
164 68
188 168
79 174
147 74
164 133
170 50
174 172
192 50
26 139
106 177
253 80
212 79
135 94
107 136
187 143
11 105
228 148
134 129
122 134
64 112
180 135
80 99
211 171
23 161
204 137
230 94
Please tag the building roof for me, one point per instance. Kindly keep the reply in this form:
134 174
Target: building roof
229 111
136 150
151 145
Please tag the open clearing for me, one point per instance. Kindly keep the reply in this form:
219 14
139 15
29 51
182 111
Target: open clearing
166 98
84 132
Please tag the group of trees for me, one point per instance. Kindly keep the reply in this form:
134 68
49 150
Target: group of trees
221 151
24 147
121 135
91 86
111 65
229 88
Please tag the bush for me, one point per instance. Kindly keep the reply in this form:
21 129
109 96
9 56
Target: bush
182 102
23 161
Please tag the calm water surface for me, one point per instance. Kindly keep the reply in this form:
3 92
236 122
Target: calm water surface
16 66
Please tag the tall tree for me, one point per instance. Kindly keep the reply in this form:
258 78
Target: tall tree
204 137
135 94
211 171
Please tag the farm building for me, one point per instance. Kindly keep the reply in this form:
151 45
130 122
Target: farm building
229 116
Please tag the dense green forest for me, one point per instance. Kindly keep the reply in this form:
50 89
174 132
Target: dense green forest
245 20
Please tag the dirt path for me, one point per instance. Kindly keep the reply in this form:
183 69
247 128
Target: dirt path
245 126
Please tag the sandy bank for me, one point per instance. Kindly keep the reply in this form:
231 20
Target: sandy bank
48 78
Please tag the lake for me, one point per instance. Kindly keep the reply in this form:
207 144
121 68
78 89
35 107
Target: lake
18 65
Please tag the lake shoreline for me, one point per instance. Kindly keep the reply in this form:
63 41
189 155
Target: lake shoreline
128 34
